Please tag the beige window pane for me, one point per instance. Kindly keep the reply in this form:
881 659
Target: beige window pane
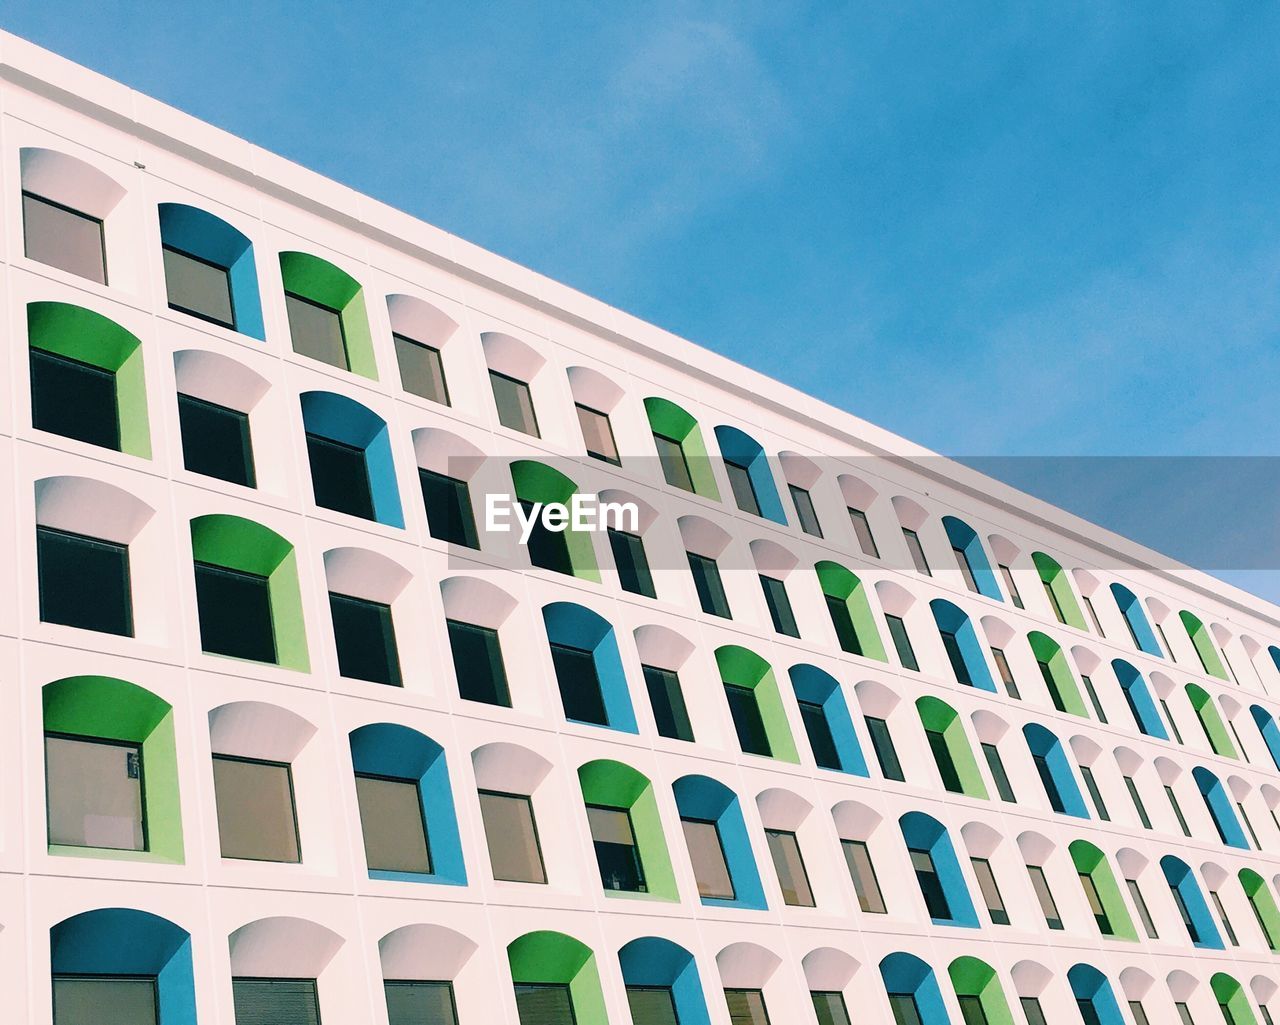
94 793
512 837
597 433
862 872
421 370
395 837
316 331
63 238
707 855
792 877
256 819
103 1001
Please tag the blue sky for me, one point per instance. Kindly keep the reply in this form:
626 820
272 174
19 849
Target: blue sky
1023 229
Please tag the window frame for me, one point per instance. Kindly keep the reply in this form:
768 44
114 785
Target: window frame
527 800
582 407
416 784
63 208
136 748
293 807
226 273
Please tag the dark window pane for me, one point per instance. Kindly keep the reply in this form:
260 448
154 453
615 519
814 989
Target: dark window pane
829 1008
597 434
1088 1012
1093 698
675 468
1168 714
904 1008
1049 783
886 753
1094 899
94 793
971 1010
366 639
775 596
1053 601
651 1005
1138 806
515 404
276 1001
548 549
1227 927
1144 913
746 1007
544 1004
1139 1013
1011 586
863 873
1185 914
395 833
996 764
420 1003
942 757
916 550
1177 810
631 562
821 741
935 898
966 570
1091 785
511 834
216 441
706 854
104 1000
449 514
1093 614
64 238
862 530
198 287
477 663
744 491
838 609
74 399
805 512
1051 684
667 700
706 580
1033 1011
793 880
316 331
1006 674
421 369
84 582
902 642
256 818
579 683
747 721
340 476
235 613
617 855
955 656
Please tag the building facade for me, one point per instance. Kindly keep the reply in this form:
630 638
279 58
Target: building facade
837 731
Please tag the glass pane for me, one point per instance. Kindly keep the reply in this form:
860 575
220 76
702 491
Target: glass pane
862 530
216 441
829 1008
667 700
1091 785
74 400
706 581
935 898
103 1000
340 476
1143 912
94 790
1033 1011
544 1004
1011 586
84 582
971 1010
706 853
579 682
366 640
675 468
512 837
990 891
966 570
597 433
886 753
902 643
821 741
905 1011
746 1007
942 758
420 1003
449 514
651 1005
842 620
793 880
1138 806
996 765
235 613
744 492
916 551
863 873
747 720
775 597
421 369
316 331
631 562
617 855
198 287
951 644
477 662
515 404
276 1001
395 834
255 810
805 511
1094 899
1093 698
64 238
548 549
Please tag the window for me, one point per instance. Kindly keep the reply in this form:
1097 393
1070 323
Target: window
421 369
316 331
886 753
1049 783
902 642
805 511
477 663
94 793
792 877
1093 698
215 441
1138 806
617 854
1011 586
1053 602
971 1009
829 1007
1094 899
746 1007
1222 914
775 596
597 433
818 729
667 701
579 683
631 562
511 833
291 1001
1165 640
1046 673
395 832
104 1000
1048 907
74 400
1184 1014
64 238
515 404
1173 723
548 549
1006 674
544 1003
946 764
862 871
340 476
1177 810
1185 914
1144 912
1244 817
996 764
675 467
1093 615
1032 1009
955 656
256 817
744 491
706 580
966 570
420 1003
1088 1013
846 635
747 721
235 613
904 1008
990 891
84 582
449 514
916 549
366 639
651 1005
926 872
706 853
862 530
1139 1013
1091 785
198 287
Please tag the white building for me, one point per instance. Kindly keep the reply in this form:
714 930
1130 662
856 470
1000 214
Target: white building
234 797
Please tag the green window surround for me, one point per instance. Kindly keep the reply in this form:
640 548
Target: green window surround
742 668
614 785
320 282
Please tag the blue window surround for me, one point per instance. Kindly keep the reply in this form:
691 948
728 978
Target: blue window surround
339 418
952 619
1178 874
653 961
1219 805
1133 613
1087 983
922 832
1266 723
744 450
578 627
1140 701
964 537
1044 743
699 797
906 973
202 234
817 687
